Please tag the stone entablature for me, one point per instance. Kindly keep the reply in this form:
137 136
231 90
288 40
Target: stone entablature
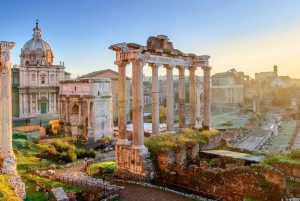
87 102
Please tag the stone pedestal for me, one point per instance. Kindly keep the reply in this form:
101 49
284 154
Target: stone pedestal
8 163
133 163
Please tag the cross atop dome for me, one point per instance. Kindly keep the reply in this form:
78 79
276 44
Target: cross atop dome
37 24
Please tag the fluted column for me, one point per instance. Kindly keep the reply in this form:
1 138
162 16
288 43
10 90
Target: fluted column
122 119
155 98
192 96
181 97
170 99
138 104
207 96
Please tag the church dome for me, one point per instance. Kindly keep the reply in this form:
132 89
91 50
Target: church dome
36 43
36 51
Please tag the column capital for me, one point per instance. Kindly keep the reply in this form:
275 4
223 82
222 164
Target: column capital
155 65
139 61
167 66
121 63
206 68
181 67
192 68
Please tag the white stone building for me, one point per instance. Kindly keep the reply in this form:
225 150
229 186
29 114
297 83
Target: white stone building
39 78
87 102
113 76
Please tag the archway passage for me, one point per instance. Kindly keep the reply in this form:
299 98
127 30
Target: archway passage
74 119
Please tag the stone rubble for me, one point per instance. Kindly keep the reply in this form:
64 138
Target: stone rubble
16 183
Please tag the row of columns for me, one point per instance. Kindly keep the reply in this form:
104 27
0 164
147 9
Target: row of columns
137 100
26 103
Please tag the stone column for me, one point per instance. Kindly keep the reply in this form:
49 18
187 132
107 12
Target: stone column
90 130
155 98
36 103
54 103
36 78
138 105
207 94
170 99
67 110
122 118
26 104
21 104
30 103
192 96
50 102
227 95
80 110
198 108
181 97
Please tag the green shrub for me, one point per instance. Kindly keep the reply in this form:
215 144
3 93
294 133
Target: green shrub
294 153
107 166
62 146
82 153
68 156
20 135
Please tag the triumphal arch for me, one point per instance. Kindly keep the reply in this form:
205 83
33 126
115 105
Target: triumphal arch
158 52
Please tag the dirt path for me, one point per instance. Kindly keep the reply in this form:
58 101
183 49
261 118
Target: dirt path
138 192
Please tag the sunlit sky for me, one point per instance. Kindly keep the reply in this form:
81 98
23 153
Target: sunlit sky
249 35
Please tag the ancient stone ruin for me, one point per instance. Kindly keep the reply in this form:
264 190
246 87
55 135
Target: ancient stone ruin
158 52
8 161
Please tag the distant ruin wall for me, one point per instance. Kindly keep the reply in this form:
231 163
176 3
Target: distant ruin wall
235 183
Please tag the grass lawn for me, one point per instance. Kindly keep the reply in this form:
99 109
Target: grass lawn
6 192
238 121
281 141
25 151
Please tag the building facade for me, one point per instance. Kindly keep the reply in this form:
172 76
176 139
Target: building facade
113 76
38 78
86 102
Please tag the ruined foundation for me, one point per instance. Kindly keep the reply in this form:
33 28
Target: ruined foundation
133 163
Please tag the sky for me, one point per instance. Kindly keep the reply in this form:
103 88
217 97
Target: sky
250 35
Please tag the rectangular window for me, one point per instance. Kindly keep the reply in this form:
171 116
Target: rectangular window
43 80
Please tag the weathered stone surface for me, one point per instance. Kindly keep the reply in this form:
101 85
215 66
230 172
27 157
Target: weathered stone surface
134 161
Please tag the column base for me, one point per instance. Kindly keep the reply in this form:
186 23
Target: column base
133 163
122 142
8 164
138 146
170 132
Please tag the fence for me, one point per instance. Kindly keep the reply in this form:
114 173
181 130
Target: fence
104 190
